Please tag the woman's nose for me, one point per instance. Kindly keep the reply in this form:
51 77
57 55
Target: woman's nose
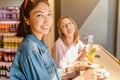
45 20
68 26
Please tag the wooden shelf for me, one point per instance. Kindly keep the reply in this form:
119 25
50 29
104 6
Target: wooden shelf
9 22
5 63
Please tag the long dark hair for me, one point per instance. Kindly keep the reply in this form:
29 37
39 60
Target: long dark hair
26 7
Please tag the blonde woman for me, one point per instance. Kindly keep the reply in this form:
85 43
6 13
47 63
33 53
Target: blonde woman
68 50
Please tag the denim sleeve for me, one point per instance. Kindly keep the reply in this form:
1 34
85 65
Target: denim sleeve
16 74
34 69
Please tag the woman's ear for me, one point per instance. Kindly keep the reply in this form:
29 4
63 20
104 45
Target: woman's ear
27 21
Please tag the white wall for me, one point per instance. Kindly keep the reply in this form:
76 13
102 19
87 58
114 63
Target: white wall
97 23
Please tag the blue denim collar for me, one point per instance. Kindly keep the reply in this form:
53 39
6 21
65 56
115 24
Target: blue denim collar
39 42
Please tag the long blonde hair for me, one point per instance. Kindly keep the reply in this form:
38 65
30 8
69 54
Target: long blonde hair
76 34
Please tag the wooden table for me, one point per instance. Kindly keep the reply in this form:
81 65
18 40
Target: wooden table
110 63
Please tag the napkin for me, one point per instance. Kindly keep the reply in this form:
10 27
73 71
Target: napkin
105 73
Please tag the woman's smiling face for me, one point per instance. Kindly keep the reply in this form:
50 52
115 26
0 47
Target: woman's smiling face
40 19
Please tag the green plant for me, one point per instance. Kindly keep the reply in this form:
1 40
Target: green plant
119 58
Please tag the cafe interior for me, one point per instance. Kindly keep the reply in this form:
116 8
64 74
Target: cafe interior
100 18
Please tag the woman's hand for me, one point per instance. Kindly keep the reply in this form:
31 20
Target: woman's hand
91 74
82 53
82 65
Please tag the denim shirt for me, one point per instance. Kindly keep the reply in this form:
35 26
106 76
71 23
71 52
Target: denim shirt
33 61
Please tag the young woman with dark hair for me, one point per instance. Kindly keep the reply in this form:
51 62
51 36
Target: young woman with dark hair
32 60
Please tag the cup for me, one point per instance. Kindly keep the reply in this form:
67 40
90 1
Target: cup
91 54
85 39
88 40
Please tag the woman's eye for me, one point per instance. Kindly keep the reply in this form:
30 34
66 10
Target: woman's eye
39 15
49 14
69 23
63 26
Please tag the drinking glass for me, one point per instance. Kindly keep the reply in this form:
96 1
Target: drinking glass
88 41
91 54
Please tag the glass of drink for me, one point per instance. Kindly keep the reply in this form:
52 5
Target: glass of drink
88 41
91 54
